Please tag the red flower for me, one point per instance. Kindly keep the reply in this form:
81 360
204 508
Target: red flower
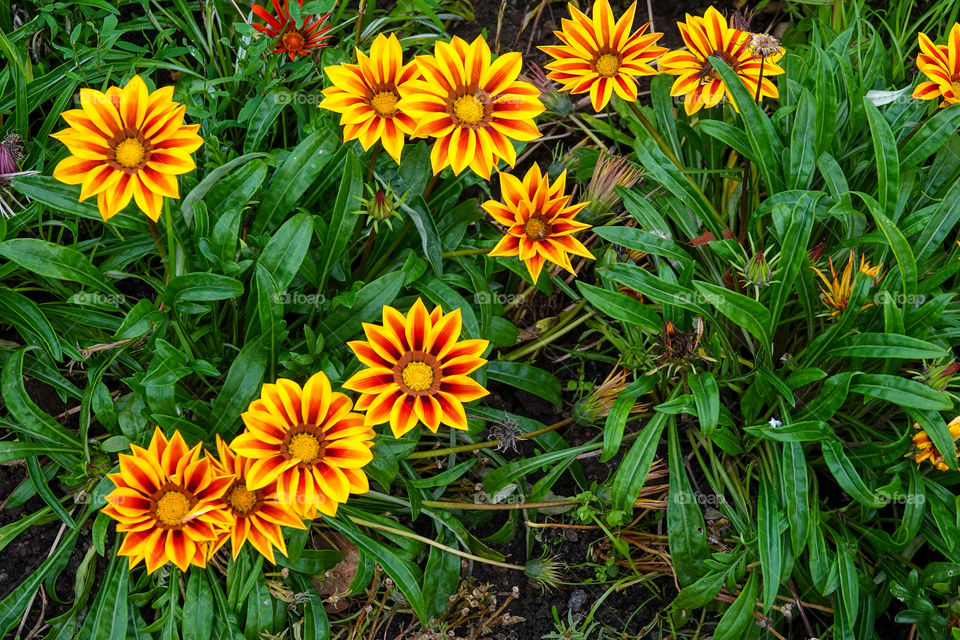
292 39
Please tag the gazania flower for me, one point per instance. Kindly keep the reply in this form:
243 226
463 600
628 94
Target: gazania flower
602 56
167 500
127 144
366 95
417 370
839 288
291 39
257 515
539 219
941 64
307 443
710 36
926 450
471 106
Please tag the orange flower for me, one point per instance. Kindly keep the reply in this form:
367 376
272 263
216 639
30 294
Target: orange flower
257 515
540 222
602 56
418 370
127 144
306 443
471 106
698 81
366 96
291 39
941 64
167 500
926 450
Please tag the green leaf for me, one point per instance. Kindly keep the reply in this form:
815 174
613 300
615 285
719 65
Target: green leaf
201 287
769 543
342 220
884 345
198 612
64 200
849 580
525 376
240 387
55 261
803 431
620 414
886 157
901 250
942 222
802 150
629 477
30 420
655 288
344 323
500 477
739 617
793 465
294 176
792 257
622 307
444 571
930 137
639 240
900 391
706 395
28 319
43 490
687 539
847 476
743 311
199 192
286 249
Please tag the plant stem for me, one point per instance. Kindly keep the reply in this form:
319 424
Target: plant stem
373 158
580 123
655 134
466 252
171 240
435 453
430 186
561 329
473 506
433 543
161 248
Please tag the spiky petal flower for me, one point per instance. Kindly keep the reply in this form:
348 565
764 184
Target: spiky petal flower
539 219
472 106
839 288
167 501
698 81
417 370
256 514
292 40
941 64
366 95
308 443
602 56
927 450
127 144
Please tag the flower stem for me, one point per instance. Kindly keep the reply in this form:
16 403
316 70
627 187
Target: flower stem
473 506
171 240
433 543
561 329
161 248
435 453
655 134
466 252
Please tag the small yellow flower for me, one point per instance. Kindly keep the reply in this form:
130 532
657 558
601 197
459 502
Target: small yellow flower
540 221
602 56
926 450
127 144
839 288
941 64
699 81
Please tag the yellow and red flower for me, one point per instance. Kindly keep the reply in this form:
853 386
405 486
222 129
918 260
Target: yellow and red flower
839 288
698 81
926 449
366 96
168 502
257 515
418 370
601 55
941 64
127 144
292 40
307 444
472 106
539 219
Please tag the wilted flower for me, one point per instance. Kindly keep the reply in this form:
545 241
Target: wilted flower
926 449
596 405
556 102
938 377
679 350
11 154
610 172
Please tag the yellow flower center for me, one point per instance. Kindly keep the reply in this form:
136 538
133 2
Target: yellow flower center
292 41
607 65
130 153
955 87
172 507
536 228
304 446
418 376
242 499
468 110
384 103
